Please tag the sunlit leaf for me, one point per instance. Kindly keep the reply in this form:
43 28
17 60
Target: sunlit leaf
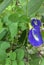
12 56
4 45
13 27
3 5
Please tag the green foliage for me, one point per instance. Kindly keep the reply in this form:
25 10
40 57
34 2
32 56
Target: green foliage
3 33
4 45
42 18
8 62
14 62
41 10
42 34
12 56
2 56
42 61
4 4
1 1
21 63
33 6
20 54
15 16
13 27
36 59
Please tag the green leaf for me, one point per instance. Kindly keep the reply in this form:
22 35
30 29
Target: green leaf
13 27
42 32
21 63
2 55
1 25
6 20
42 19
42 61
41 10
23 20
12 56
33 6
8 61
20 54
14 62
23 26
12 24
3 33
19 10
3 5
14 17
4 45
35 59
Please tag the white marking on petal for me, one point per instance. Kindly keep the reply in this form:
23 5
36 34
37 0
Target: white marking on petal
34 35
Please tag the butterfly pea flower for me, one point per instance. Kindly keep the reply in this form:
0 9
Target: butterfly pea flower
34 35
36 23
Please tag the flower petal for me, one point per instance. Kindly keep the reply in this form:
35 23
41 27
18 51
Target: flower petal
34 37
36 22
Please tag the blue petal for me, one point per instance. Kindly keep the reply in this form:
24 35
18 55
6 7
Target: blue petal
34 37
35 22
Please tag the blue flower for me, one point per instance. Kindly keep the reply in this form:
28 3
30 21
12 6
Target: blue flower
34 35
35 23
